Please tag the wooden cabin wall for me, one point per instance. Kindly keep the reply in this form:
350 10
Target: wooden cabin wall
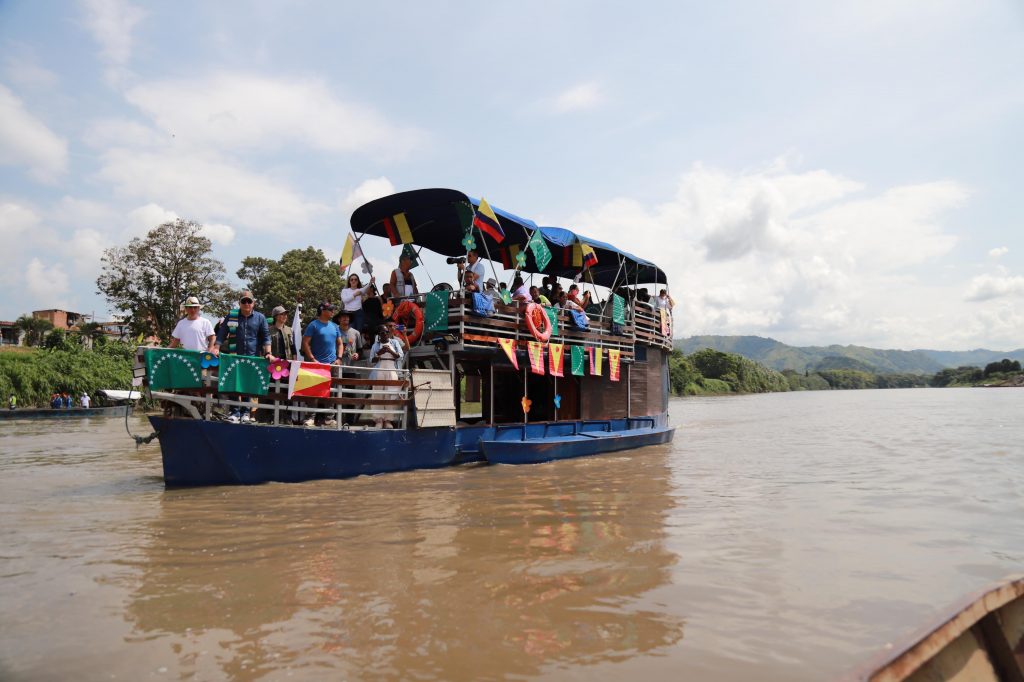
602 398
649 384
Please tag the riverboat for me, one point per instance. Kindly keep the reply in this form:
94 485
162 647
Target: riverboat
979 639
122 407
513 384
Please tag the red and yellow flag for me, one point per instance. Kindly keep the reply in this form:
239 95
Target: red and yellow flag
536 352
556 355
398 230
614 363
310 379
666 327
596 356
509 346
485 221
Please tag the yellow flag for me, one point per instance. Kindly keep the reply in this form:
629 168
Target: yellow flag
347 253
404 233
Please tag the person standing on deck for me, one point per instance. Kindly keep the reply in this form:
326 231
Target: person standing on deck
352 346
403 283
192 331
249 336
322 340
281 334
85 400
386 353
352 297
475 265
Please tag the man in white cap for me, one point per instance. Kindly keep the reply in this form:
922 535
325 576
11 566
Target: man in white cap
193 332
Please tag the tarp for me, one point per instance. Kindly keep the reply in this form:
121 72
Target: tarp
436 225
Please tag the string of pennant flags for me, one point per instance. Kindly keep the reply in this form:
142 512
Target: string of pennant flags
581 357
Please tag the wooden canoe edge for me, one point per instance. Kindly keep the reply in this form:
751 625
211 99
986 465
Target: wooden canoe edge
908 655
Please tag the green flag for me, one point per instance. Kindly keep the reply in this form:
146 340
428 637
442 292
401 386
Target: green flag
408 250
579 358
465 214
553 317
243 374
173 368
618 309
436 317
541 252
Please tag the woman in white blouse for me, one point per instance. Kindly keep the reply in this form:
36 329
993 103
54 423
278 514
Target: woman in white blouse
352 300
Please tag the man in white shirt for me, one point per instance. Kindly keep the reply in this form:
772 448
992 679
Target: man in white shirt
193 332
86 400
475 265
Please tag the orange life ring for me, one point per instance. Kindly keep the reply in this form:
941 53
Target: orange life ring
404 310
537 322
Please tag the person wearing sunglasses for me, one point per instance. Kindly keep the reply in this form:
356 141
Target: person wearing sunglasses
244 332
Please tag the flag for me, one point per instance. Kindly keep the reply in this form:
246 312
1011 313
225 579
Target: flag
243 374
509 346
578 361
310 379
665 327
541 252
535 349
510 256
614 363
556 354
389 227
577 255
297 331
407 250
464 212
596 356
404 233
350 252
589 257
553 318
618 309
487 222
435 312
173 368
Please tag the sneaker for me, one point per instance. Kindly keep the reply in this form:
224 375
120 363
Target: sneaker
331 423
246 418
309 422
233 418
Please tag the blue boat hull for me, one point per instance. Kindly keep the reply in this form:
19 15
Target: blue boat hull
197 452
517 450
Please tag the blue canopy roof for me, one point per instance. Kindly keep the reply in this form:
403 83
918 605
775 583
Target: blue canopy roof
437 219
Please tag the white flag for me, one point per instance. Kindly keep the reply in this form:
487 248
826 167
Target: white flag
297 331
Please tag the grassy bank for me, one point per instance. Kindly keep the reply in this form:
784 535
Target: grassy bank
34 375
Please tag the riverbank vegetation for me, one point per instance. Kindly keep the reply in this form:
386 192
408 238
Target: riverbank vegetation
67 366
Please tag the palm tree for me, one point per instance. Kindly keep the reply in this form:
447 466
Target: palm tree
35 328
90 331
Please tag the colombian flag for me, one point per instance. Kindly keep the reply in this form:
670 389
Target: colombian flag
487 222
310 379
589 257
398 230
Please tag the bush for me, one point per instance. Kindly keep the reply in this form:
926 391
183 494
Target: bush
34 376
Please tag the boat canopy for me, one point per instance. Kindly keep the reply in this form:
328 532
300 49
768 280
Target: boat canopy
438 219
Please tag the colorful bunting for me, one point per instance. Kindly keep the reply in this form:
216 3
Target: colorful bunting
487 222
553 318
310 379
535 349
578 360
666 327
243 374
541 252
614 363
618 309
436 311
509 346
556 358
173 368
596 357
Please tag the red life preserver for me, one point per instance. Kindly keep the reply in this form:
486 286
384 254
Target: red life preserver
536 319
402 313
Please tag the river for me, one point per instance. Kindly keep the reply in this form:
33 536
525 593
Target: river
780 537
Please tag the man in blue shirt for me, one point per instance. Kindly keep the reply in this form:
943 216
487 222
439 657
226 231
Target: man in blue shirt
250 335
323 339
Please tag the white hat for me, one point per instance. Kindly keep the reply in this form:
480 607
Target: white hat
193 302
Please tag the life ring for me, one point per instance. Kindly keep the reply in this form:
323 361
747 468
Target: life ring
537 322
404 310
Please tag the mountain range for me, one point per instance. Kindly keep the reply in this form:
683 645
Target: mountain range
780 356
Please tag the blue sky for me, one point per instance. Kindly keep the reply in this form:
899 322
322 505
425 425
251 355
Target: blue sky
815 172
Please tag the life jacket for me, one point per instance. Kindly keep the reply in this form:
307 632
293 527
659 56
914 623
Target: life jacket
230 344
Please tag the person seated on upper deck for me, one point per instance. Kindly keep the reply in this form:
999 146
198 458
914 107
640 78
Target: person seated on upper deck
538 297
556 292
664 301
520 292
567 303
574 296
547 289
643 296
470 282
403 282
491 290
472 264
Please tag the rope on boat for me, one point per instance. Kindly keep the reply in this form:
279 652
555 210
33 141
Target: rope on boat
139 440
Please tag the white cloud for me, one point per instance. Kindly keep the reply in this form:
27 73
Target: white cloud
368 190
218 233
145 218
998 252
207 188
808 256
16 221
29 74
84 250
248 111
987 287
48 284
25 140
579 98
111 23
122 132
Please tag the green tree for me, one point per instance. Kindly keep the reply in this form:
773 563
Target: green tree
304 275
35 329
148 279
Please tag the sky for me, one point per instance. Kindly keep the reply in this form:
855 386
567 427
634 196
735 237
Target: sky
818 173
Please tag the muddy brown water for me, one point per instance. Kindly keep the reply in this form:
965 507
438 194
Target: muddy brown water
780 537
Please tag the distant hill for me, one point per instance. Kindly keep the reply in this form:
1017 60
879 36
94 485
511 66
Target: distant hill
780 356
